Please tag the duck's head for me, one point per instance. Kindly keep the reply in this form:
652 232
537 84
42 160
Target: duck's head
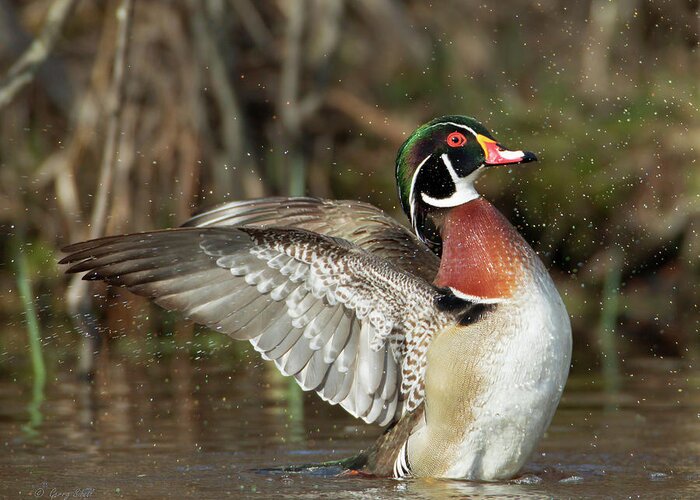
438 164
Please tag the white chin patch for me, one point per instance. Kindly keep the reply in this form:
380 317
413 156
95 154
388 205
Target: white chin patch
464 188
463 194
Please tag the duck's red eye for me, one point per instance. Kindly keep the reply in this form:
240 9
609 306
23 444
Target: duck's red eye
456 139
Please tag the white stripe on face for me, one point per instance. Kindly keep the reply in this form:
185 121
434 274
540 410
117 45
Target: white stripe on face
412 194
471 130
475 298
464 188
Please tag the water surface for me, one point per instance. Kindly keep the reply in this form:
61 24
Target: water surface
154 426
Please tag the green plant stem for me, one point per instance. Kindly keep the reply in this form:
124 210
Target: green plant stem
608 319
38 367
297 181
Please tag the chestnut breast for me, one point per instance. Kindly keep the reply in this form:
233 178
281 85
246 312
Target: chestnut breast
482 253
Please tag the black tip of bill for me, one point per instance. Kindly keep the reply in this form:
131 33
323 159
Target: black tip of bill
528 157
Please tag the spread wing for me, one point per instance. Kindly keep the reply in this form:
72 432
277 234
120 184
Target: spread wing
360 223
344 322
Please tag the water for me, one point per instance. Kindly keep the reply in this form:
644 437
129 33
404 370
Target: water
174 426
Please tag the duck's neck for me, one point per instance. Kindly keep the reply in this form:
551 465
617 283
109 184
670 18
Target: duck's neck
482 253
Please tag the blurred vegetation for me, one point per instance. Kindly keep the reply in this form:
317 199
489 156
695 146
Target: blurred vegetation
238 99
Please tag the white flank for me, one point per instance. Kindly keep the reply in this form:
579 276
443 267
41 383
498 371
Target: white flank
527 368
523 370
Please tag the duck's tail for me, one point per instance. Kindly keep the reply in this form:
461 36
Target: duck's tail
377 461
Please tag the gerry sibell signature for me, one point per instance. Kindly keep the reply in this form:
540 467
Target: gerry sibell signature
45 491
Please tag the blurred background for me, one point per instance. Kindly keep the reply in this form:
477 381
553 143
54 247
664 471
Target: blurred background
131 115
225 100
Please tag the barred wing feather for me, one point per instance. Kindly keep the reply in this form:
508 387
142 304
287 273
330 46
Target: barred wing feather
345 323
360 223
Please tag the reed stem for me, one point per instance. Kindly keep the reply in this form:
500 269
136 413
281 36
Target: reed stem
38 367
607 327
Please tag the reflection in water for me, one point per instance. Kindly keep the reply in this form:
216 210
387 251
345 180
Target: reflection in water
608 318
281 388
34 409
172 425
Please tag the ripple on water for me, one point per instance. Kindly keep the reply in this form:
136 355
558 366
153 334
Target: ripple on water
170 428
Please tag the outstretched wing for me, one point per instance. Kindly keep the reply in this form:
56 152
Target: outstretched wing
345 323
360 223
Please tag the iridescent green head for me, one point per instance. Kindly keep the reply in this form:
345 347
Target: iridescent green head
438 164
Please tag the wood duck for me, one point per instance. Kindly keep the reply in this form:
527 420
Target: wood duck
455 337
